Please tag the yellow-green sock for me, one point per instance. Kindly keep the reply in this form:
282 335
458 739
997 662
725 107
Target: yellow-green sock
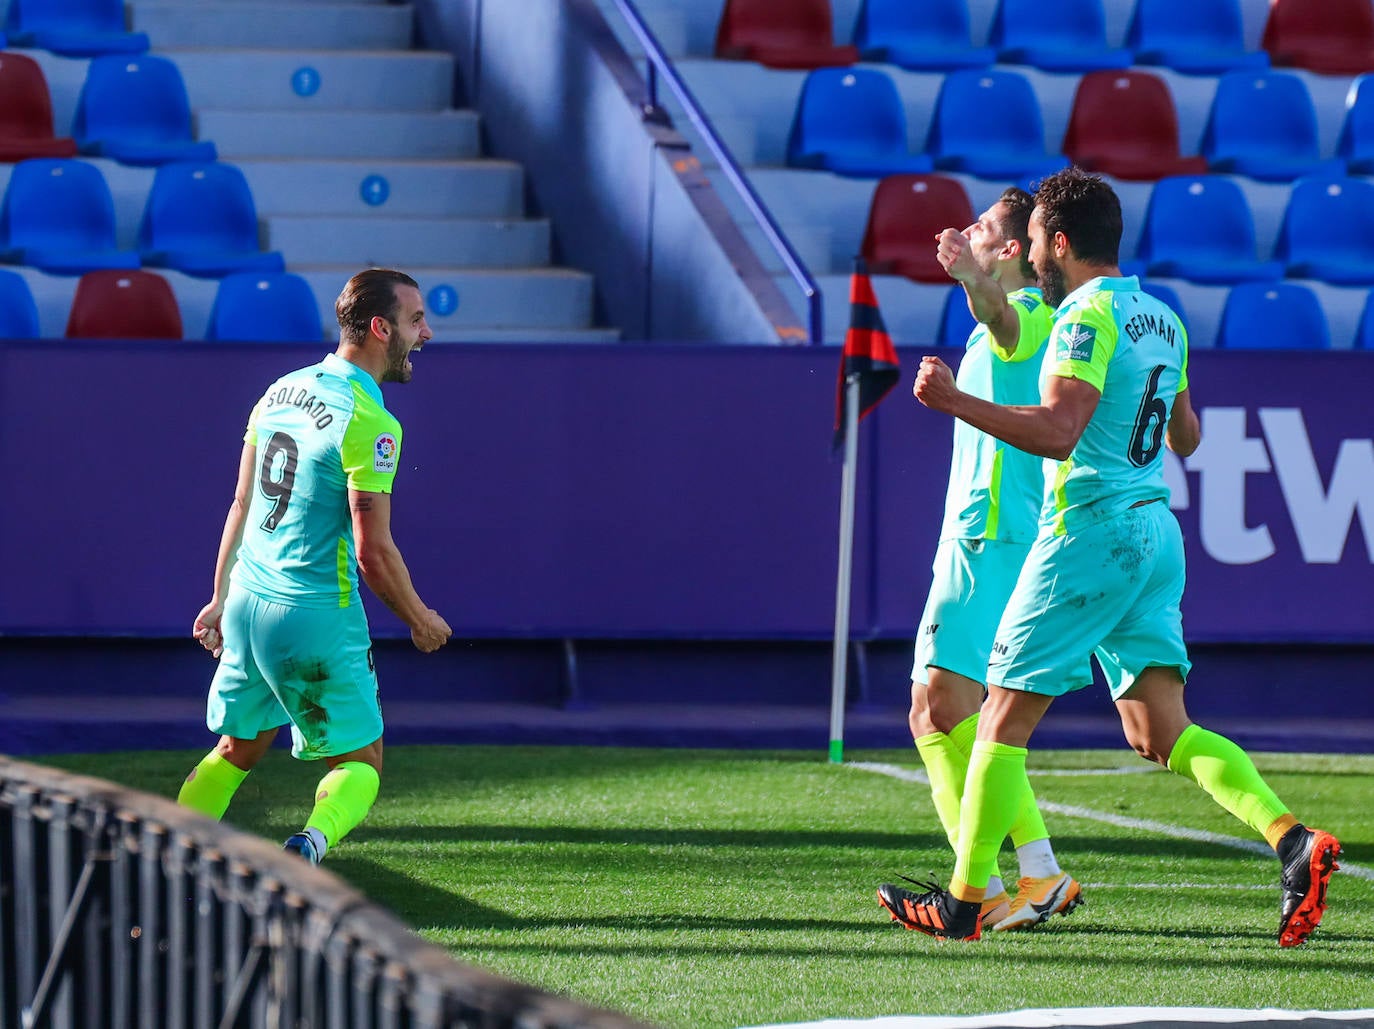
343 799
993 793
211 785
1226 772
946 765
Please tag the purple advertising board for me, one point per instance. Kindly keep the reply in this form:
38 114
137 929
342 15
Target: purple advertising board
644 491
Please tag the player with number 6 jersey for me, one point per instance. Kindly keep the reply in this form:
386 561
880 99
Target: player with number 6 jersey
311 510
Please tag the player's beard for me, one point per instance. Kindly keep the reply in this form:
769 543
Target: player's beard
1052 285
396 354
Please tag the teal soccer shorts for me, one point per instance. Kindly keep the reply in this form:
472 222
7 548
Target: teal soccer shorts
1111 590
972 580
308 666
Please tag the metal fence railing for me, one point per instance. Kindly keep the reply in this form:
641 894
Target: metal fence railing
119 909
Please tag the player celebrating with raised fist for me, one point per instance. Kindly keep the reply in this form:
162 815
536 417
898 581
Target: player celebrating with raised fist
1105 575
312 509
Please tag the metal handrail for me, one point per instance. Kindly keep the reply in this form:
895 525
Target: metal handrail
660 63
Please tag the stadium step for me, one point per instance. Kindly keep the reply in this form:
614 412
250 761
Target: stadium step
410 242
442 189
241 134
253 23
316 80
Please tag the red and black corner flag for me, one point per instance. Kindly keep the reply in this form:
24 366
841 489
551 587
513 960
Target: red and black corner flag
868 351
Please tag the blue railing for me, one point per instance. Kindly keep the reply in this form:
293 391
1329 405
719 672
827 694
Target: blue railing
661 64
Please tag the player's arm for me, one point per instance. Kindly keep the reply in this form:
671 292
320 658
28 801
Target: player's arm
987 300
207 624
1050 429
1185 431
385 572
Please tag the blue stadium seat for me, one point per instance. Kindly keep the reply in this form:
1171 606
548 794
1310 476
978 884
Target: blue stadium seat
124 305
969 102
58 216
934 35
18 312
73 28
1125 124
134 109
1328 231
1200 228
1055 35
1364 335
254 307
200 219
1198 37
851 121
956 320
26 122
905 215
1263 125
1356 145
1170 296
1273 316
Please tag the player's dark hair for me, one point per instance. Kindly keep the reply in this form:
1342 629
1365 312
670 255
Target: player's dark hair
1086 210
1015 223
365 296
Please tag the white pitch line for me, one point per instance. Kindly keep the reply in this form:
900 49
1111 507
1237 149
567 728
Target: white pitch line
1177 832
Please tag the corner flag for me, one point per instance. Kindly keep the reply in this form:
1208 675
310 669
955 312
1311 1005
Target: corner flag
868 369
868 352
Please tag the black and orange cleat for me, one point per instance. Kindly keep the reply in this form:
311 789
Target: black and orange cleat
935 912
1309 858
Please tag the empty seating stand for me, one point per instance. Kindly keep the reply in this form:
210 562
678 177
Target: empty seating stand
781 34
74 28
851 121
58 216
1197 37
1332 37
1055 35
1262 124
134 109
26 118
1124 123
133 304
932 35
1200 228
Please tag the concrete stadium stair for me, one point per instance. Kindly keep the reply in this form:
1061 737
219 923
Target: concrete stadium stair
355 155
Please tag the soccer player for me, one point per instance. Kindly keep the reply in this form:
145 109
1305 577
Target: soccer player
312 509
1105 574
992 508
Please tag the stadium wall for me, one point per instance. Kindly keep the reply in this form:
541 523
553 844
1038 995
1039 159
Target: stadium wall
613 524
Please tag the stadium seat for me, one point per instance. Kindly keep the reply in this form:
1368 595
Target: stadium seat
1124 123
781 34
934 35
1200 228
1055 35
1331 37
18 312
26 125
253 307
1364 335
124 305
58 216
956 320
1273 316
1328 231
135 110
1356 144
906 214
200 219
1263 125
960 139
73 28
851 121
1198 37
1168 295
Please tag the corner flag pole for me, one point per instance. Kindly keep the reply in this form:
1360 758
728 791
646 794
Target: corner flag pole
839 664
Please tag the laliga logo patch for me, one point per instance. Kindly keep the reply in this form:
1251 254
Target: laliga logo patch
384 453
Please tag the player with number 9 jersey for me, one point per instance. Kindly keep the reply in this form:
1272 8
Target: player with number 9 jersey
319 431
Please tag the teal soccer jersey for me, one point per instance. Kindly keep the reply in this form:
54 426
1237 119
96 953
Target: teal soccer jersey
1132 347
995 491
318 432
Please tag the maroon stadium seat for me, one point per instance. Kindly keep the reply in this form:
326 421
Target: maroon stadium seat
781 34
1124 123
124 304
904 217
26 127
1333 37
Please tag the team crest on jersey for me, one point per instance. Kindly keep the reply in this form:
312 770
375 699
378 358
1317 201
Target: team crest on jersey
1076 343
384 453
